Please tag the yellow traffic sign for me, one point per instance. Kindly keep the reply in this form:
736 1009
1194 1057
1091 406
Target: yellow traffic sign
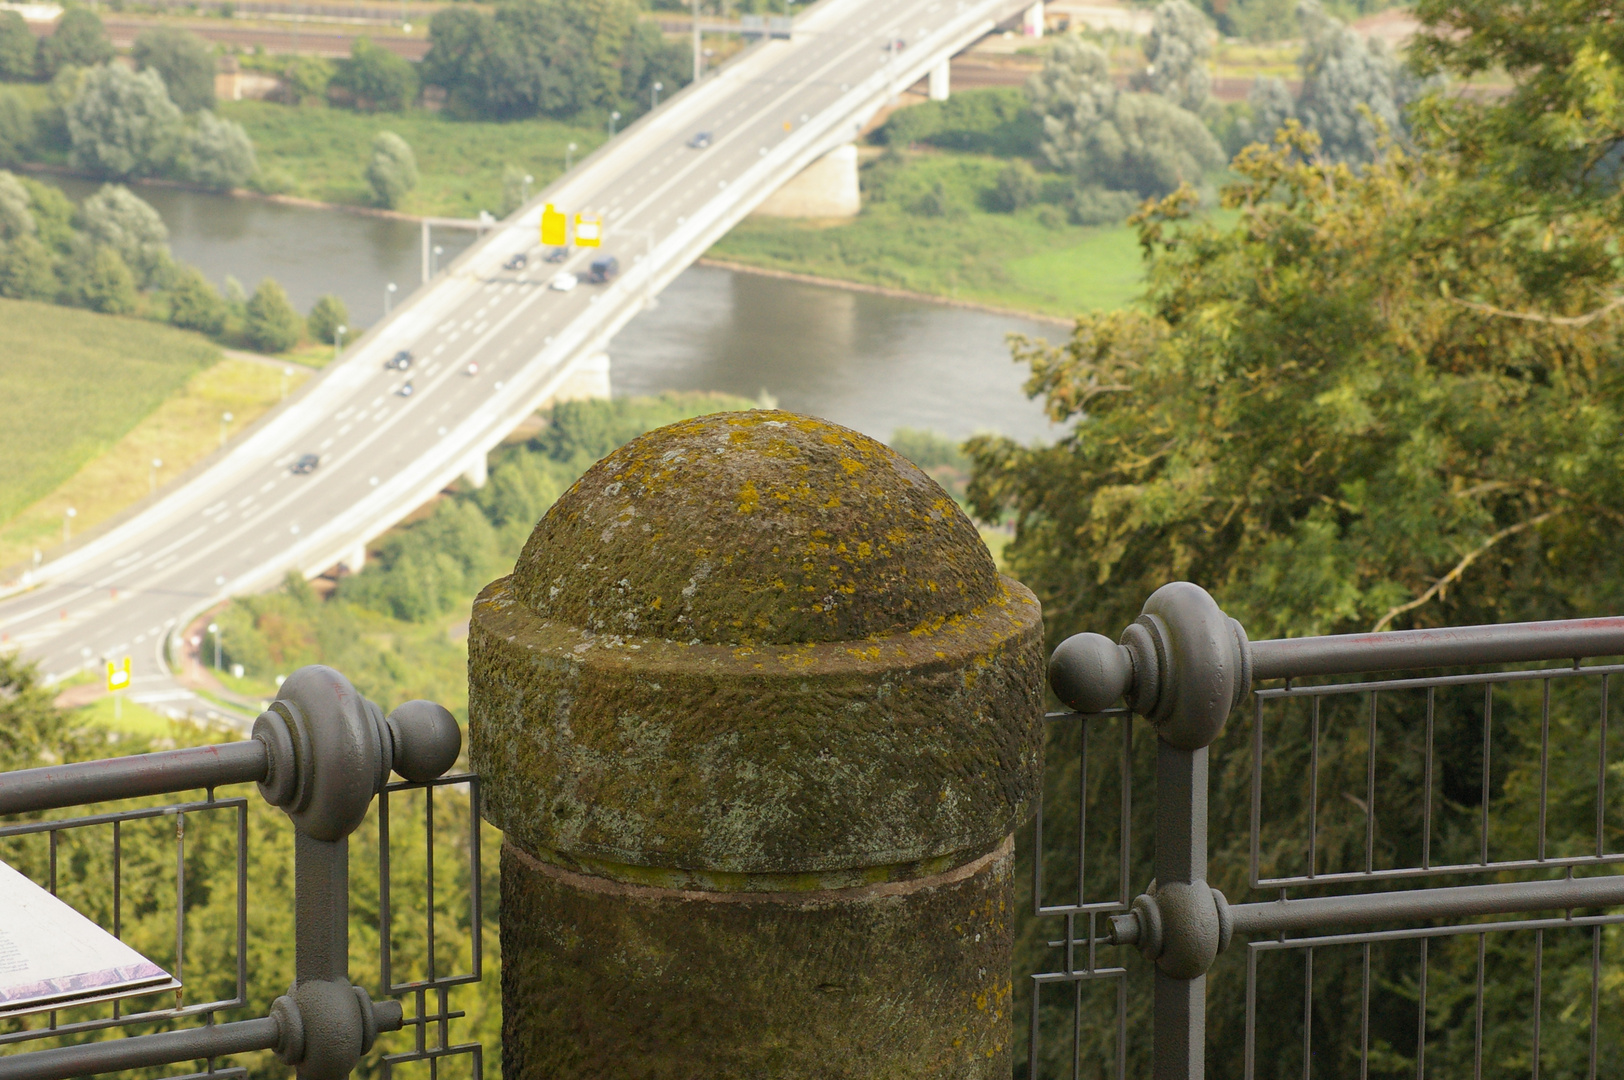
588 230
118 676
553 226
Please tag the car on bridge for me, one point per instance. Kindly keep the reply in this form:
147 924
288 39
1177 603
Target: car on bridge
564 282
700 141
517 262
558 254
406 389
603 270
401 361
306 464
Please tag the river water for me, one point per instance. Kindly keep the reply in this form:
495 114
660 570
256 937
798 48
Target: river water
870 362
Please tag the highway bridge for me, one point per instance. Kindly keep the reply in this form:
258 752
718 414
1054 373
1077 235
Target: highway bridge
247 520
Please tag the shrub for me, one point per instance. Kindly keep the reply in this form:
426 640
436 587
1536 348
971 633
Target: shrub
1091 205
115 217
80 40
272 324
220 153
107 285
306 79
392 172
18 48
1017 186
994 121
1177 48
16 128
375 78
122 123
194 305
27 271
16 218
183 60
328 314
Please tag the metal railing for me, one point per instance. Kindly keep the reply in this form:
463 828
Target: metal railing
1441 843
320 752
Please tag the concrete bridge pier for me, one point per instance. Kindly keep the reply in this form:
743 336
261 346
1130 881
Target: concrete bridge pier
476 471
588 378
827 188
940 80
356 558
1032 20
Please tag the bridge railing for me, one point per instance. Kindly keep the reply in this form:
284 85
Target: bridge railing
321 753
1412 874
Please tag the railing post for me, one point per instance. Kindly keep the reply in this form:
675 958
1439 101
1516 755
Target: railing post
1183 665
758 718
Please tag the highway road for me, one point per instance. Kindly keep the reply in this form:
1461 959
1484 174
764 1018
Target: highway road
249 519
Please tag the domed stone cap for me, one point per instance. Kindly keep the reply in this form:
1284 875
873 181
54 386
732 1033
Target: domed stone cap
759 527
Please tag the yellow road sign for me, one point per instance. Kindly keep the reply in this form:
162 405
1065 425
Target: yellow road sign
118 676
588 230
553 226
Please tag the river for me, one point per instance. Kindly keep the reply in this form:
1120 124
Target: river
874 363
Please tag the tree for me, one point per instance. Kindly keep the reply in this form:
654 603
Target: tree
54 214
27 270
16 215
117 218
79 40
273 325
1272 105
183 60
1115 139
326 316
106 284
306 79
16 128
376 79
194 305
221 155
1351 92
392 172
1017 186
122 123
18 48
1177 48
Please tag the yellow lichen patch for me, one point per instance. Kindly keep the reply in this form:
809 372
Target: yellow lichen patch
749 501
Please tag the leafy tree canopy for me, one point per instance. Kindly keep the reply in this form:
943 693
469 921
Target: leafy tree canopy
219 153
122 123
80 40
115 217
272 324
18 47
392 171
375 78
183 60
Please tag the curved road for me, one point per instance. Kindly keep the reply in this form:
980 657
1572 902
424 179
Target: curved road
249 518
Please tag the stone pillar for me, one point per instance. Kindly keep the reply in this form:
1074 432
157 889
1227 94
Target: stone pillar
827 188
758 718
941 80
1032 20
476 470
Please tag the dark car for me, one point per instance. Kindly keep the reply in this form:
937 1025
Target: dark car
603 269
558 254
518 262
401 361
306 464
701 141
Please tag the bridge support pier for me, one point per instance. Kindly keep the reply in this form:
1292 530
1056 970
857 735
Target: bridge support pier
940 80
588 379
476 471
355 558
827 188
1032 20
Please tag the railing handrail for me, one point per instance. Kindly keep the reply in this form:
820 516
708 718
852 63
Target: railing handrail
1447 646
54 787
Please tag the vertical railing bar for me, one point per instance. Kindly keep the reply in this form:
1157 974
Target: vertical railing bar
1595 997
1488 720
1421 1019
445 1015
1539 980
1037 849
1544 768
1071 942
476 916
1076 1030
422 1022
1370 787
1364 1015
52 846
1082 815
1124 853
1122 1028
385 930
1601 776
242 901
1313 788
1250 1061
1308 1012
428 887
1257 788
1093 938
1477 1038
118 896
1032 1037
180 906
1426 786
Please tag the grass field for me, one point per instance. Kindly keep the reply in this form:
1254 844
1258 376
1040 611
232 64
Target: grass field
170 413
316 152
924 228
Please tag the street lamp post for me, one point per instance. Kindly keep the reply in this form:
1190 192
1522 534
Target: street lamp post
388 297
338 339
225 422
528 180
214 628
157 463
613 116
655 103
67 519
569 156
434 263
287 373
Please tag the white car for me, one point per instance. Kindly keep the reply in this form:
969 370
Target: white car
564 282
